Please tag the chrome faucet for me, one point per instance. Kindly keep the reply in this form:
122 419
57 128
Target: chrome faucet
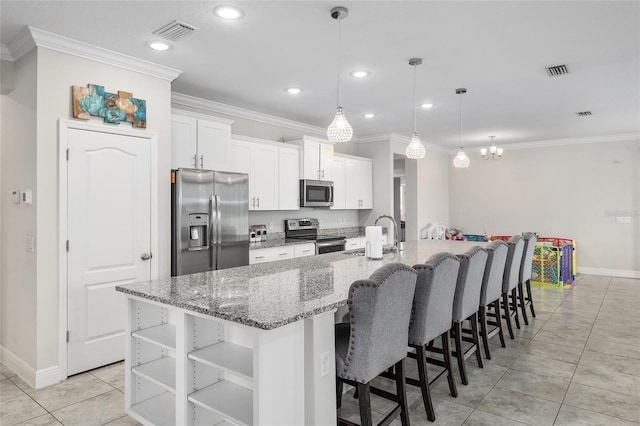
395 247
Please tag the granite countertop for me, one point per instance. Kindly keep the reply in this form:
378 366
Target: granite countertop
270 295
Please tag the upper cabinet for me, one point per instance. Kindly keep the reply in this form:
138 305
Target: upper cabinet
272 169
353 182
316 158
200 142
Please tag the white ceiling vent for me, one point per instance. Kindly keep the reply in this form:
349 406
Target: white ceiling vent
583 113
175 30
557 70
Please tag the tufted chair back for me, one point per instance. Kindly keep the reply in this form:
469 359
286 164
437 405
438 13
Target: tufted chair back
527 258
514 261
469 284
433 300
379 313
494 272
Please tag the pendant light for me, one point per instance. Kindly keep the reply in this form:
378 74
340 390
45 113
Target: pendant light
461 160
339 130
415 149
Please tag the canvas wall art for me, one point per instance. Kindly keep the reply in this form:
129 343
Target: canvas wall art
112 107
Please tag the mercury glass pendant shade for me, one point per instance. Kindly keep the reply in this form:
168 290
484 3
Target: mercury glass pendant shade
415 149
339 130
461 160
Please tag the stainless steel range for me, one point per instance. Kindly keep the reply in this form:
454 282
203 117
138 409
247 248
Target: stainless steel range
307 229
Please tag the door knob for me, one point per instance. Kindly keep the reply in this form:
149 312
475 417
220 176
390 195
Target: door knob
145 256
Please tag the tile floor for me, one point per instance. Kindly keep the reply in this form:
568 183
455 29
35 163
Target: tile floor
577 363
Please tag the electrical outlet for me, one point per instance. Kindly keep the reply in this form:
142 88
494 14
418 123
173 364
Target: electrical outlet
324 364
623 219
270 226
29 244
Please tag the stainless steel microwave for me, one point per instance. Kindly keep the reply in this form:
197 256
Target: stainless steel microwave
316 193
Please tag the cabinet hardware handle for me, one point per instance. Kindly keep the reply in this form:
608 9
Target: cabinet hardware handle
202 161
258 199
323 173
282 254
259 257
195 161
253 201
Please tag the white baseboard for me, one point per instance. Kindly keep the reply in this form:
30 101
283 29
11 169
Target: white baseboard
37 379
623 273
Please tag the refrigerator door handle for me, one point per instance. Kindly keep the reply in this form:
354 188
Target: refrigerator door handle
214 237
218 241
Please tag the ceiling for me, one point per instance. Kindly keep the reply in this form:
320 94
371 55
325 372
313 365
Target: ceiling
499 51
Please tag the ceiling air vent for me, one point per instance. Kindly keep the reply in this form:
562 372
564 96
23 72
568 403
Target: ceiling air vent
583 113
557 70
175 30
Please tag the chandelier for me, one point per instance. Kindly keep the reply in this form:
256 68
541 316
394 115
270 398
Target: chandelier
494 153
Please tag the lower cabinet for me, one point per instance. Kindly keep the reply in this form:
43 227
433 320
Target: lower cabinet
190 369
280 253
359 242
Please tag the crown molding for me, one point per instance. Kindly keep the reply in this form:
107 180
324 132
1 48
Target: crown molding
30 37
220 108
5 53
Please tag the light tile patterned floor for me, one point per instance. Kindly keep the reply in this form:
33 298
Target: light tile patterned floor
577 363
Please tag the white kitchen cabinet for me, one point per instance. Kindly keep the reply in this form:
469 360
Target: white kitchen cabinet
288 178
199 142
316 158
260 161
271 254
304 250
339 183
352 182
272 169
360 242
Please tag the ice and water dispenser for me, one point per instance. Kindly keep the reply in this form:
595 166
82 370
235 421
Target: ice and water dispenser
198 231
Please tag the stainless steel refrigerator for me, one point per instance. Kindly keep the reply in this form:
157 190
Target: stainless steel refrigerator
209 220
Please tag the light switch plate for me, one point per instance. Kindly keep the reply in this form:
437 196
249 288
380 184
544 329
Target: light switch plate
29 244
16 196
324 364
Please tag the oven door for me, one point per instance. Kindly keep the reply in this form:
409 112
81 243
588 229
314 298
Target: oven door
316 193
330 246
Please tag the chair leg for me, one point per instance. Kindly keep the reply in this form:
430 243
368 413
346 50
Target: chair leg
457 336
446 352
507 314
339 385
514 300
496 306
421 357
401 389
523 306
483 331
530 299
366 418
476 340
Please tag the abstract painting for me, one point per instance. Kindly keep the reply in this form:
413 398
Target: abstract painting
112 107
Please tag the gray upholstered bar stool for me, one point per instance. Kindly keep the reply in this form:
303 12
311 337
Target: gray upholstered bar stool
510 280
376 337
524 281
466 304
432 318
491 293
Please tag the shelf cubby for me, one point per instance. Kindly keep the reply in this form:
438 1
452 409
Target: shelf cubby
161 371
232 401
159 410
228 357
163 335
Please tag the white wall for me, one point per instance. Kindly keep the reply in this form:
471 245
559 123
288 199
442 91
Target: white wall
18 284
31 320
563 191
327 218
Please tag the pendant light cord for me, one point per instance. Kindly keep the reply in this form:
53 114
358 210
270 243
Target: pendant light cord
339 57
415 71
461 120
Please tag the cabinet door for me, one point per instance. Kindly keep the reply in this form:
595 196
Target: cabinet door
264 177
358 175
339 183
213 145
311 160
183 142
354 243
288 179
326 161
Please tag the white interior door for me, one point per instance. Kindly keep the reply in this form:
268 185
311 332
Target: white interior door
109 221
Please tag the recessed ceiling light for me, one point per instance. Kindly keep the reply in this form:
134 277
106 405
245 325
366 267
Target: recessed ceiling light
159 45
227 12
293 90
426 106
359 74
369 115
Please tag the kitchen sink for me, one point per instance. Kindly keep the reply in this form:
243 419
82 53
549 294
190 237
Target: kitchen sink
360 252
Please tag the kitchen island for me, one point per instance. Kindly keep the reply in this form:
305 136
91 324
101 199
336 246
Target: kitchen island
249 345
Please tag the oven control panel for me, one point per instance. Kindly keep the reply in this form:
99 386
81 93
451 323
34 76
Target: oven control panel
295 224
